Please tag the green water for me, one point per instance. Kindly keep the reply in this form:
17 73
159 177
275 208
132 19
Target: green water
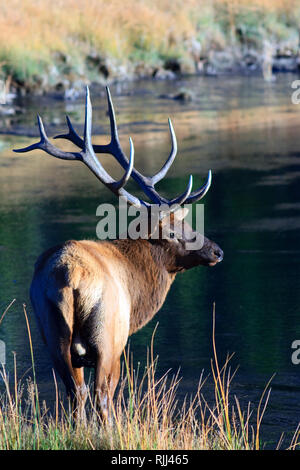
247 132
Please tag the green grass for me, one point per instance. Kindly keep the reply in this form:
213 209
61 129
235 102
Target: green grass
145 414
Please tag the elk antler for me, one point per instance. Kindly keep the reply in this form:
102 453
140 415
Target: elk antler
88 157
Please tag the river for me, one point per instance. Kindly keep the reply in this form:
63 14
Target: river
247 132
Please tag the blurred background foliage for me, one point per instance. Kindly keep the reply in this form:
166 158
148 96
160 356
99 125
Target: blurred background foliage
44 43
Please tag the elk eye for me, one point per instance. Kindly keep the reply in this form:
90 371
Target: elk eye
172 235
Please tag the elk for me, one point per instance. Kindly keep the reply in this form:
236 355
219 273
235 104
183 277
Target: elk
90 296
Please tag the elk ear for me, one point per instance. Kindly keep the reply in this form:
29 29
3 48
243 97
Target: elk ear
181 213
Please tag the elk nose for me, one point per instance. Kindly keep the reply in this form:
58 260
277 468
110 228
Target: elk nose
218 253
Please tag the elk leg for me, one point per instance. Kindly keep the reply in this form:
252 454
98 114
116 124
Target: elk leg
101 390
105 386
114 378
81 393
73 378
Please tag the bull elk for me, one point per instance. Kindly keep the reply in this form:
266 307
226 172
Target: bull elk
90 296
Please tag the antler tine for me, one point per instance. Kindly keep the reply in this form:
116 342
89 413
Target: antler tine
200 193
184 196
45 144
72 135
163 171
128 172
112 119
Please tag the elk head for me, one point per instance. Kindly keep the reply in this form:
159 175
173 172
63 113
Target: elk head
192 248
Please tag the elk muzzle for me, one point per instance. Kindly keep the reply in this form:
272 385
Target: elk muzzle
210 254
216 254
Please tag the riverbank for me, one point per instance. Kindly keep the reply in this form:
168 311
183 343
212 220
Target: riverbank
45 48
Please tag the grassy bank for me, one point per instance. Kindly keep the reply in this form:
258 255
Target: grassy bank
145 414
46 45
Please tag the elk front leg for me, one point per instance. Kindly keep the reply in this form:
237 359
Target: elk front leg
114 379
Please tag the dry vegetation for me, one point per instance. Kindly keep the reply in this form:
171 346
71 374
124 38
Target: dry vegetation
145 415
41 40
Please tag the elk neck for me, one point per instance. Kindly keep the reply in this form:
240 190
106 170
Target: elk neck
151 269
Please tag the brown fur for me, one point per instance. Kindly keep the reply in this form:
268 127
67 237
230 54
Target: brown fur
148 279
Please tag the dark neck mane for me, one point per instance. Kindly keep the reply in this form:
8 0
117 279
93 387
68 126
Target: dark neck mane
150 272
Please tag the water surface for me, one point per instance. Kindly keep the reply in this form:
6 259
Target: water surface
247 132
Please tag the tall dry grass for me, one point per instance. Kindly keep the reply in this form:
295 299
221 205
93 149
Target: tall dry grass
35 35
146 414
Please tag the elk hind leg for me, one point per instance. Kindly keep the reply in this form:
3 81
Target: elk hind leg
106 379
73 379
59 344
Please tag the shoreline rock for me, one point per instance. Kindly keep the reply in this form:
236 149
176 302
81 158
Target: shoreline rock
66 82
